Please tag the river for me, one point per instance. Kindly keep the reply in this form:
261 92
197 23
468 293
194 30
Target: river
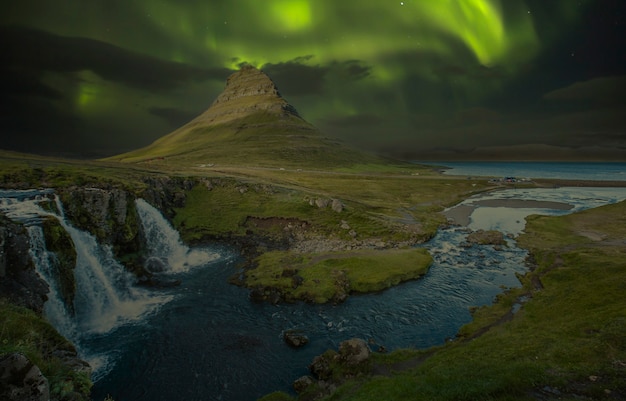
205 340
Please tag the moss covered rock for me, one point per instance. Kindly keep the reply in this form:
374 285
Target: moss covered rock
60 243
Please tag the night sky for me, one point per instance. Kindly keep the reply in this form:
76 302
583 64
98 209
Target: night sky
437 79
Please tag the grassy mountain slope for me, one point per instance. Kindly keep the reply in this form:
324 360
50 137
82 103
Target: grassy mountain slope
249 124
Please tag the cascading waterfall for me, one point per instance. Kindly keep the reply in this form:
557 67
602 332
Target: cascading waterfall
55 309
164 242
105 293
106 297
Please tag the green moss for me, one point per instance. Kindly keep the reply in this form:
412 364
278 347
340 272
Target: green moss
277 396
23 331
60 242
325 277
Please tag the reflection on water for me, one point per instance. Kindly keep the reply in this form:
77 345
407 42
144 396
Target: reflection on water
510 220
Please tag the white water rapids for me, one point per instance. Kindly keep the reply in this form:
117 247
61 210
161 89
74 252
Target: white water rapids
106 296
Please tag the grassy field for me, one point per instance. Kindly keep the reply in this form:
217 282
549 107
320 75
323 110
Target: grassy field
375 204
567 341
331 276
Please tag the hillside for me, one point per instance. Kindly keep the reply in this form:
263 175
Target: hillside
249 124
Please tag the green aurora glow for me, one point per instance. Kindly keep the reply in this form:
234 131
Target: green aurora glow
440 71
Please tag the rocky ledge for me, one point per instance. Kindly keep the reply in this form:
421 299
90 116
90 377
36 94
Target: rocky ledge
332 368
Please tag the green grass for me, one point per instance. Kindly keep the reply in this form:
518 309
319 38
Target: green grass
25 171
23 331
397 207
569 336
258 139
326 276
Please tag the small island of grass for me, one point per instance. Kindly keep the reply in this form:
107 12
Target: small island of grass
330 277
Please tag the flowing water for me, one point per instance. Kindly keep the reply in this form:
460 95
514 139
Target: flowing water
205 340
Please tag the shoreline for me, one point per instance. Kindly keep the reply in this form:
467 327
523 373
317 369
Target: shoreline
461 213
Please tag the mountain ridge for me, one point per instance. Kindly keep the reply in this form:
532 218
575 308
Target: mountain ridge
250 123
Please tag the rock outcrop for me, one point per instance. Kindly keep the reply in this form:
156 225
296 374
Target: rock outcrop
247 91
109 214
20 380
332 368
167 193
60 242
19 282
486 237
295 338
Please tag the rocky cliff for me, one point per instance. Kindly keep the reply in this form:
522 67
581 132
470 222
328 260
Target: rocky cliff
247 91
19 282
108 213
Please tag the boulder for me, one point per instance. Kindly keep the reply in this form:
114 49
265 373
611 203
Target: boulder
322 203
156 264
20 380
19 281
354 351
302 383
321 366
486 237
337 206
295 338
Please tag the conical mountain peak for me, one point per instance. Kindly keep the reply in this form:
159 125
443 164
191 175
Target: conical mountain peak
247 91
248 124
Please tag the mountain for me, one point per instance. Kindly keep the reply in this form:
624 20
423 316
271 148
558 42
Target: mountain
249 124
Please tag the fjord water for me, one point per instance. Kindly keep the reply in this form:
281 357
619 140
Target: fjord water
593 171
205 340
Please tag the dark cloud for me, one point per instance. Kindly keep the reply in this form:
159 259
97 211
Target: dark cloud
597 91
35 52
358 120
296 77
14 82
36 125
352 70
39 81
173 116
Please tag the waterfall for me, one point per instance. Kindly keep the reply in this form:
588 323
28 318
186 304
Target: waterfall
106 297
55 309
164 243
105 293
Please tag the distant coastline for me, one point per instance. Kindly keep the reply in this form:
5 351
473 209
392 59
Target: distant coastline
559 173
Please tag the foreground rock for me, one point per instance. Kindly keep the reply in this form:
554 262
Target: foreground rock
332 368
21 380
486 237
295 338
19 282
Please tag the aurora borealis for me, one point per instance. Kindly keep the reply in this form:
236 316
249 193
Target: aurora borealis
414 78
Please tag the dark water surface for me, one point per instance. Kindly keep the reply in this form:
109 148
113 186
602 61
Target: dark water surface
211 342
